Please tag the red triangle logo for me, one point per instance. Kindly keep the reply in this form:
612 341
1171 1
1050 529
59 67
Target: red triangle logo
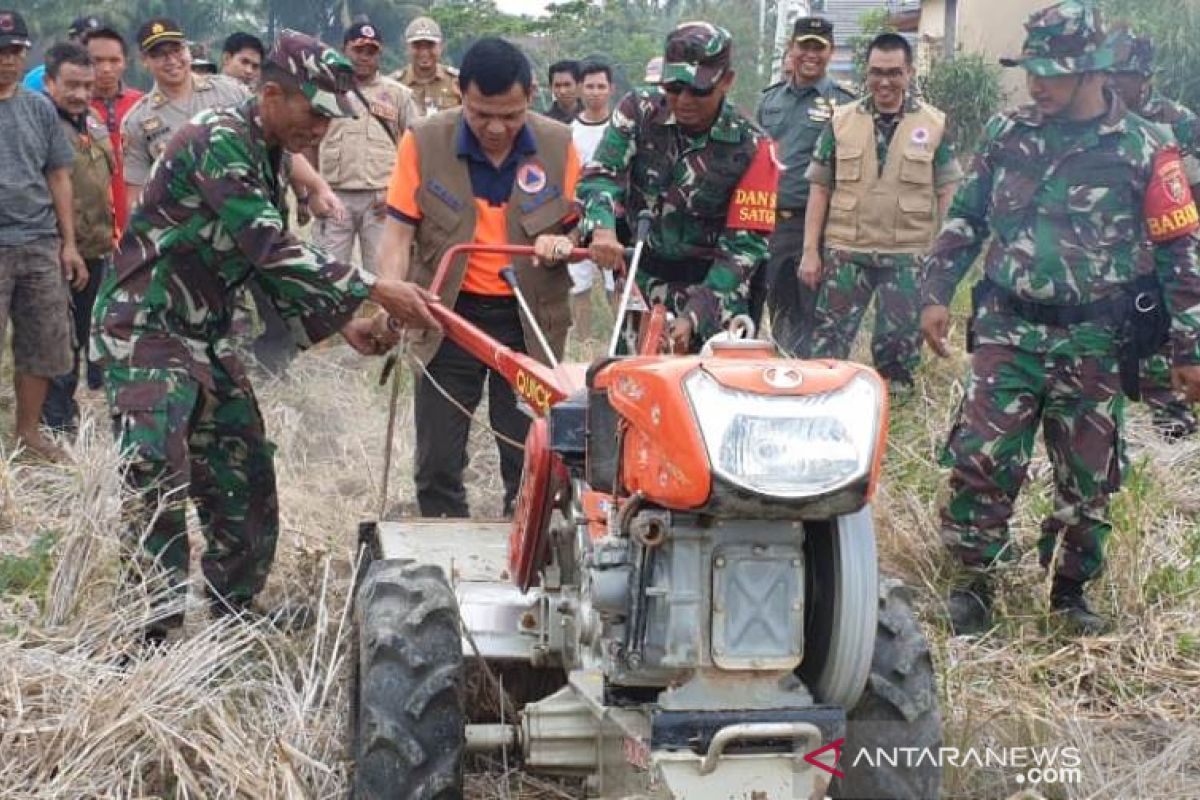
836 747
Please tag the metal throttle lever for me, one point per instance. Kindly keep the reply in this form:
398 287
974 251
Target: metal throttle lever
645 218
510 277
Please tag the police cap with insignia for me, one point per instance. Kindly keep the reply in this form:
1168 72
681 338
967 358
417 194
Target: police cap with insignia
13 32
423 29
159 30
813 29
363 33
322 74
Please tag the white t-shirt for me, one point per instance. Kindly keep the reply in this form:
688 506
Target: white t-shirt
587 136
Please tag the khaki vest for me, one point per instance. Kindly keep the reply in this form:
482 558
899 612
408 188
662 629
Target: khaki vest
448 218
890 212
358 154
91 185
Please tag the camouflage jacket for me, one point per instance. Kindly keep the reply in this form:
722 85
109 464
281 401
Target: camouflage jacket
1184 125
645 161
1063 204
209 220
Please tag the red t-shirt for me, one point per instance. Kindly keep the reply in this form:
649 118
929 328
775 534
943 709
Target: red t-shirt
112 114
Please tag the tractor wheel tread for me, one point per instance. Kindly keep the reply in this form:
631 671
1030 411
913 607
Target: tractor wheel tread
898 709
410 736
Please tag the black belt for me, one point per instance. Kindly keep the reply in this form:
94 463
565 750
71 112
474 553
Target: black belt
1113 308
1137 311
672 270
485 302
790 213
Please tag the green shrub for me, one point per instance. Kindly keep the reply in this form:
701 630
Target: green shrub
966 87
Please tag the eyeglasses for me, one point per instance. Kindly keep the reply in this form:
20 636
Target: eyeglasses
679 87
164 51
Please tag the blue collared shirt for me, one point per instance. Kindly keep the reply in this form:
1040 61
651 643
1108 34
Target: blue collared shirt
489 182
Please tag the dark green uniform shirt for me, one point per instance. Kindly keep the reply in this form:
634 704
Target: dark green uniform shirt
794 116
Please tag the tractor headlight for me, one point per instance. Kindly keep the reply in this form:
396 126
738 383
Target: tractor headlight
789 447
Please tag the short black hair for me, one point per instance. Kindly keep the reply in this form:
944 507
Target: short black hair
494 66
106 32
66 53
891 42
568 65
593 67
237 42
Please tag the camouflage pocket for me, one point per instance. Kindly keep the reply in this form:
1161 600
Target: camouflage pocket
152 418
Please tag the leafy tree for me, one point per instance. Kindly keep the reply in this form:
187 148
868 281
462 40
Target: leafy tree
1174 27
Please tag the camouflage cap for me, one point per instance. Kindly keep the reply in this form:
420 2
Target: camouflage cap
324 74
696 53
1132 53
1064 39
423 29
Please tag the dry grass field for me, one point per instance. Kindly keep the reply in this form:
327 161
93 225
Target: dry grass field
231 711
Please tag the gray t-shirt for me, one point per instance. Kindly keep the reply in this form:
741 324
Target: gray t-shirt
33 143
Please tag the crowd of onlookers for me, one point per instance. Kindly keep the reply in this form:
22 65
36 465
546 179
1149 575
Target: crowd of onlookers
81 143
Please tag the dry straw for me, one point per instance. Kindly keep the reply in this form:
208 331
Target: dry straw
231 711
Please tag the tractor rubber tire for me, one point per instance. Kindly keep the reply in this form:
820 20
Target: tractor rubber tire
410 732
899 709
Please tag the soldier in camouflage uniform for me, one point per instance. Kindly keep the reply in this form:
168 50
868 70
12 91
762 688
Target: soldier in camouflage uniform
685 154
182 406
1132 78
1073 191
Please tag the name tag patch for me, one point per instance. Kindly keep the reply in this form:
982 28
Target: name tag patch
439 190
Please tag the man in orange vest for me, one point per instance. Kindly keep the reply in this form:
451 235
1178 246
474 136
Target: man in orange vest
490 172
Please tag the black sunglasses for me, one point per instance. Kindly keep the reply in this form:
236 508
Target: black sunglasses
679 87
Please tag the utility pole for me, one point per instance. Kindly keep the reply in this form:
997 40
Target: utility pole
787 12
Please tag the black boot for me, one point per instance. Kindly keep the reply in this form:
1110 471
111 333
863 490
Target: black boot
969 604
286 618
1175 422
1071 607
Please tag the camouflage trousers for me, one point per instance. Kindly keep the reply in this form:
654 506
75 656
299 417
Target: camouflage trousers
183 441
1080 407
1167 408
851 279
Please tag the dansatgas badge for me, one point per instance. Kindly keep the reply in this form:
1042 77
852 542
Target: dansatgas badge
753 206
531 177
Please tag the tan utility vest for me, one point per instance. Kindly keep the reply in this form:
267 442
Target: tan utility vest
448 218
358 154
91 186
890 212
